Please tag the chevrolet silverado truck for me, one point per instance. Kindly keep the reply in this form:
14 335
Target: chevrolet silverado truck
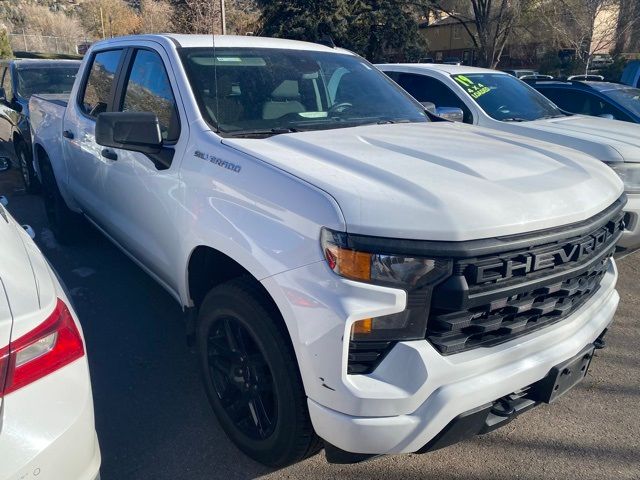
355 273
497 100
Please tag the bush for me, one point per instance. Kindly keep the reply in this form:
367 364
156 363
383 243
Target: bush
5 46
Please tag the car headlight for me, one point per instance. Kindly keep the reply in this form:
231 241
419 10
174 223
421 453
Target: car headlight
415 274
629 173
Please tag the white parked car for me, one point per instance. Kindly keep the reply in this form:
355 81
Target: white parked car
46 407
497 100
351 271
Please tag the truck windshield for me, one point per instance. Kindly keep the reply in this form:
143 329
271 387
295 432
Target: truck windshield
505 98
259 91
45 80
629 98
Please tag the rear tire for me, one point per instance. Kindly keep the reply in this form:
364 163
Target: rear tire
255 389
28 174
65 224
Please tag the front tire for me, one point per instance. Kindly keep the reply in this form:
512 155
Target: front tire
65 224
251 375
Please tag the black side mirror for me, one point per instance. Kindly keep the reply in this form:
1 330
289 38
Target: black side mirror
135 131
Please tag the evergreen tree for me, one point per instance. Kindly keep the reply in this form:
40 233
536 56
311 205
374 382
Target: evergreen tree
377 29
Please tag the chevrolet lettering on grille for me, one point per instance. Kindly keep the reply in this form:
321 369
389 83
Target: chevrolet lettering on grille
524 263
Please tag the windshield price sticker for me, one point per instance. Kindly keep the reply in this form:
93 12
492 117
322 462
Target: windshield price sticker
476 90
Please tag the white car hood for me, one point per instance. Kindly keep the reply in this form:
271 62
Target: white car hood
606 140
442 181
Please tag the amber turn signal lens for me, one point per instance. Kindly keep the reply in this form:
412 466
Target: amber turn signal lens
349 263
362 327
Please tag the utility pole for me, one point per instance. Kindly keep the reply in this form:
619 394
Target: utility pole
102 22
224 17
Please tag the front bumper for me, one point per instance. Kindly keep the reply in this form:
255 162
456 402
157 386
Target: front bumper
415 392
630 240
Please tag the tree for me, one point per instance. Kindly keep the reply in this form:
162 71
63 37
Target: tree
243 17
377 29
156 16
587 27
199 16
5 46
109 18
489 23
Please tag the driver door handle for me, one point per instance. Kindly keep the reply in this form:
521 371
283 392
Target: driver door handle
68 134
109 154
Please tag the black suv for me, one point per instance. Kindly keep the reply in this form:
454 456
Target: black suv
598 99
19 79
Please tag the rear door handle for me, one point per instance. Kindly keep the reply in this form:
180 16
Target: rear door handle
110 154
68 134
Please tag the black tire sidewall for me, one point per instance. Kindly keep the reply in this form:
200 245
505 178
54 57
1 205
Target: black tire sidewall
227 302
62 221
32 185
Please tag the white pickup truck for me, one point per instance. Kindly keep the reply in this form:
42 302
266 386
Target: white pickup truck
352 269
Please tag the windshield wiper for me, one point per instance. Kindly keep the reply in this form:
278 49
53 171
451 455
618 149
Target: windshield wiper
267 132
393 120
515 119
547 117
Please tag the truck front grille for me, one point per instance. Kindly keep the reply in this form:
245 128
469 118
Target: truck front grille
506 317
491 299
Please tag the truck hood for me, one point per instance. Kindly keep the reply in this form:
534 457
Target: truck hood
442 181
606 140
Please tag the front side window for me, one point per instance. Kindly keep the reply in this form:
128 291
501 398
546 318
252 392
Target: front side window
148 90
45 80
428 89
99 86
245 91
505 98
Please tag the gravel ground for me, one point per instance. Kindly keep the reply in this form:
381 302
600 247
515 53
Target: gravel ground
154 422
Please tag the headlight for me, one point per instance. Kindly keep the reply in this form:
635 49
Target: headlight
391 268
630 175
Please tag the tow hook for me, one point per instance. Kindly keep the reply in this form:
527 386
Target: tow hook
600 342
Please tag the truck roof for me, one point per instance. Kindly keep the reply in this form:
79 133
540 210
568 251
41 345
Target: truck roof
238 41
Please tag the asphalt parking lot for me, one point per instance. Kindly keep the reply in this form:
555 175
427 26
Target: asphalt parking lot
154 421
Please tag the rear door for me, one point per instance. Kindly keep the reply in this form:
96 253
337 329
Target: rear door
86 164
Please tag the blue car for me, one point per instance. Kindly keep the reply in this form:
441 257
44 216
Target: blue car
598 99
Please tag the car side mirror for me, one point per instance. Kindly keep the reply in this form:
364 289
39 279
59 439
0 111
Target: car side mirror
135 131
429 107
608 116
452 114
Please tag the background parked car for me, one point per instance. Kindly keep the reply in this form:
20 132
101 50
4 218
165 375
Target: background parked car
598 99
19 79
631 74
496 100
521 73
47 424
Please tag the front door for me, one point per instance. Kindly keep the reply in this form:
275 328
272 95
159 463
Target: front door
139 190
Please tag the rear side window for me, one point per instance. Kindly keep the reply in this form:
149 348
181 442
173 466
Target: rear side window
97 90
148 90
427 89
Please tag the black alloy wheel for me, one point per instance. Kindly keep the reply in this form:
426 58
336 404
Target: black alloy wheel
242 378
